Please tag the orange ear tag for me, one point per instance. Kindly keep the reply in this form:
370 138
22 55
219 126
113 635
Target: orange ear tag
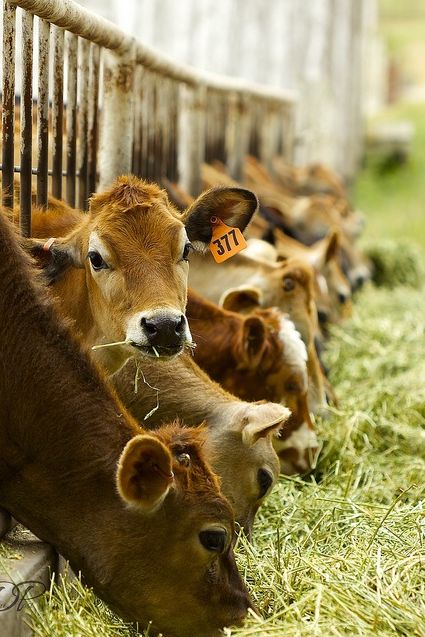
225 241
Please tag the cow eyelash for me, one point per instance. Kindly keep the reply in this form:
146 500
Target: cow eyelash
187 248
96 261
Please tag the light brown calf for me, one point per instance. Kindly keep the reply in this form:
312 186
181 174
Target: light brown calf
140 514
121 272
258 356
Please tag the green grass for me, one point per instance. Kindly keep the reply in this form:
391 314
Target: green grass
394 201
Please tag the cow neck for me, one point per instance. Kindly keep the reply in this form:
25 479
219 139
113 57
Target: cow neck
61 432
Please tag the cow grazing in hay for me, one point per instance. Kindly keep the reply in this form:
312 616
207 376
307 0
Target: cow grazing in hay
287 286
259 356
249 427
140 514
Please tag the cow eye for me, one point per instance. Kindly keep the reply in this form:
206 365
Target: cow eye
96 260
288 284
187 249
214 540
265 481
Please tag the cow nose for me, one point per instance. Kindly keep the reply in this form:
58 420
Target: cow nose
343 297
164 331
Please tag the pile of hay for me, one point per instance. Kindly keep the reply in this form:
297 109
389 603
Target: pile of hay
396 263
342 552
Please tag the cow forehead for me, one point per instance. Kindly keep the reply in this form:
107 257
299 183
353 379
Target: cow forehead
125 234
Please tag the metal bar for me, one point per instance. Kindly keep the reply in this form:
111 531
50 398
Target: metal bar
57 111
26 124
43 113
83 99
34 171
8 110
74 18
71 118
93 117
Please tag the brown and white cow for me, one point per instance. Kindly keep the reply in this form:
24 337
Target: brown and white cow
140 514
287 286
121 271
259 356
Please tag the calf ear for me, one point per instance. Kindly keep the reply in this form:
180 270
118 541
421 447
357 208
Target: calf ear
241 300
254 431
234 206
325 249
54 259
253 340
144 474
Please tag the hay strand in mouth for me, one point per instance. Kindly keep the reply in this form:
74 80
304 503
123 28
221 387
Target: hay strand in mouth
101 346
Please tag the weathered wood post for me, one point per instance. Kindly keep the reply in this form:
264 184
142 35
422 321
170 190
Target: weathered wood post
116 138
237 133
191 144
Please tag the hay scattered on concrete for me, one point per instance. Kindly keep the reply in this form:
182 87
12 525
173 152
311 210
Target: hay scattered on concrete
340 553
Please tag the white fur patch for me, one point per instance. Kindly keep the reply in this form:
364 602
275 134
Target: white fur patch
294 348
301 440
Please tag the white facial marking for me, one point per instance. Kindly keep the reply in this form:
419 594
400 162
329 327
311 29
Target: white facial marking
294 348
301 440
299 208
96 245
322 283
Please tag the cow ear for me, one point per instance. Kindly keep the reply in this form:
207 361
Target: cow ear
325 249
144 474
254 431
241 300
253 339
234 206
55 257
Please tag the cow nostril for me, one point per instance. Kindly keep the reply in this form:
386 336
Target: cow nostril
180 325
149 327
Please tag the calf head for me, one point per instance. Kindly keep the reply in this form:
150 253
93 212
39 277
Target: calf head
280 376
134 247
242 454
175 535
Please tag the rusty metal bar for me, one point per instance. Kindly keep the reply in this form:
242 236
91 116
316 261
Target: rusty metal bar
8 110
83 99
43 113
26 124
93 117
71 118
57 111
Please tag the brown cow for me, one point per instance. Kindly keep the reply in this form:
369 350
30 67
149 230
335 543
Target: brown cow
130 264
256 357
140 514
287 286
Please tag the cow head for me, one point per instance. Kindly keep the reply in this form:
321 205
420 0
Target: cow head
134 247
242 454
281 376
175 533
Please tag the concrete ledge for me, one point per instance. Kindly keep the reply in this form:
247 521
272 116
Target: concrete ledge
24 575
